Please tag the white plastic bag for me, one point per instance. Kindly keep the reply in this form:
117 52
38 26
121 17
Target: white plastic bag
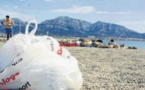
37 63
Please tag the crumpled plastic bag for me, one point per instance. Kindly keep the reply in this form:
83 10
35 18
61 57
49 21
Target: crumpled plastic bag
29 62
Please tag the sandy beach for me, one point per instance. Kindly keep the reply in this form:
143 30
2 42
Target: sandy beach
111 69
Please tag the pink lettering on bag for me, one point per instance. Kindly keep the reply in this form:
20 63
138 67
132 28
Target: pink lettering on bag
9 79
59 52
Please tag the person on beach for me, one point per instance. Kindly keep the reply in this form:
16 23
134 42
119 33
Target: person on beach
111 42
8 23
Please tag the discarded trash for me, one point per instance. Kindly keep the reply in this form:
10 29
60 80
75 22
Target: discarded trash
37 63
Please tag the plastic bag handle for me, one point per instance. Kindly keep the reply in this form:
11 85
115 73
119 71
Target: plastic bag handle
34 30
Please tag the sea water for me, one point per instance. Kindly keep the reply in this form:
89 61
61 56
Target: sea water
138 44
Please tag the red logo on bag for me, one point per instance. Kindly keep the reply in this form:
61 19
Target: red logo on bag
59 52
9 79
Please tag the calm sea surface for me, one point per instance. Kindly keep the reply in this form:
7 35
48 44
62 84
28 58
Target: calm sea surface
138 44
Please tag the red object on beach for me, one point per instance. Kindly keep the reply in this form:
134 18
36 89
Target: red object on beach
69 44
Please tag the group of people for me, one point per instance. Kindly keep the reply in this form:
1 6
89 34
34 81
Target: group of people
8 23
99 44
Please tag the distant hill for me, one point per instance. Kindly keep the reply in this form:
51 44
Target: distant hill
65 26
103 29
70 27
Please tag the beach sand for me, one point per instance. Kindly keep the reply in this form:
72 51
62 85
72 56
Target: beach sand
111 69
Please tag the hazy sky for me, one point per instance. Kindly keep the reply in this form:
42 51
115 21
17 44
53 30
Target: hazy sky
129 13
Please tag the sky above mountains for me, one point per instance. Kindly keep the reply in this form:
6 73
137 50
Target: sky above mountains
129 13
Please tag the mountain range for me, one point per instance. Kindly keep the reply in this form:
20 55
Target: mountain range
70 27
